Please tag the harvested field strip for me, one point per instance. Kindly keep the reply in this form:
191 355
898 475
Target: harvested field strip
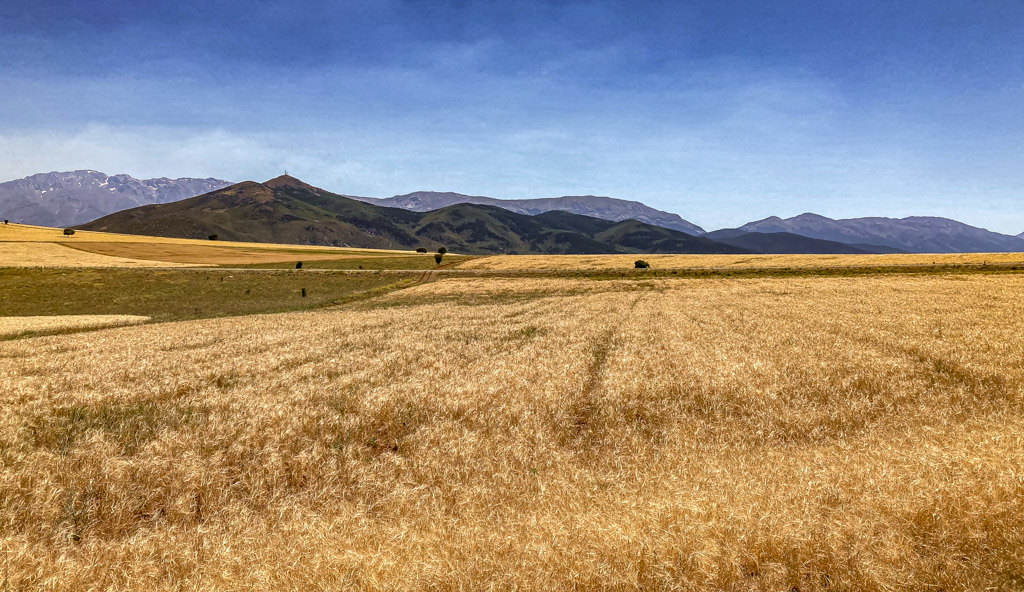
856 433
738 273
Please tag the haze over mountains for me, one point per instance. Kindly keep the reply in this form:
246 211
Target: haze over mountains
919 234
77 197
73 198
608 208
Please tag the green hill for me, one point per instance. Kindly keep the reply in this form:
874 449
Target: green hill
286 210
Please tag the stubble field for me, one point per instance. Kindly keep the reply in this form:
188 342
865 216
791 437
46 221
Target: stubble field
816 433
743 262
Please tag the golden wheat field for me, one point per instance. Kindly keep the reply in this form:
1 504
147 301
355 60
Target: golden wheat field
533 434
609 262
13 326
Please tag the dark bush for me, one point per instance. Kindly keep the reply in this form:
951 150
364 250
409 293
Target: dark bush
213 237
421 250
438 257
5 222
298 265
69 231
442 250
641 264
303 292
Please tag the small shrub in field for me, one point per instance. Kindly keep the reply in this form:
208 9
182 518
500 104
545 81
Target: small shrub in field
213 237
6 221
442 250
69 231
298 265
641 264
421 250
438 257
303 292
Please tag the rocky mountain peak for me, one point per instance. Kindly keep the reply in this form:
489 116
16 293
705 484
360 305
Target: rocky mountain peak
75 197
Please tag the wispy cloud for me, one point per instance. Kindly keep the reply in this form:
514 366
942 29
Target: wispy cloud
719 112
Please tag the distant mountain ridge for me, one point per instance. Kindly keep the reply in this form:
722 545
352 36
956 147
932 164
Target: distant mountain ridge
286 210
76 197
915 234
789 243
607 208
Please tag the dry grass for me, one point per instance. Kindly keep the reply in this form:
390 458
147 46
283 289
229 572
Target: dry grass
14 326
39 246
32 254
607 262
757 434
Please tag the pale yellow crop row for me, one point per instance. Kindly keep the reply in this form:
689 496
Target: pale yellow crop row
28 233
13 326
473 434
38 254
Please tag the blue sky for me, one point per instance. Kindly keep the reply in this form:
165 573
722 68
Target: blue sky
724 112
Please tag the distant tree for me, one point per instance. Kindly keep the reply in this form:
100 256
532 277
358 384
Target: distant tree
69 231
442 250
213 237
421 250
641 264
298 265
303 292
5 222
438 257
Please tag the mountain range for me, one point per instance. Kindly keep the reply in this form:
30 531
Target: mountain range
73 198
608 208
788 242
76 197
916 234
287 210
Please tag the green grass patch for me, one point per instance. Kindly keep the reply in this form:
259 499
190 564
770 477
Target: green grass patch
178 294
